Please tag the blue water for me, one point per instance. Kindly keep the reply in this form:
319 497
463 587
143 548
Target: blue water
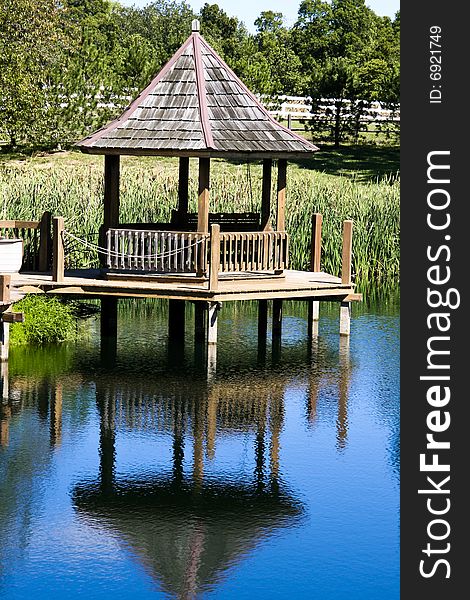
141 477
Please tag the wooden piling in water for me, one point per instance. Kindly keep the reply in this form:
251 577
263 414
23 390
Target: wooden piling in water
277 318
5 282
200 315
345 309
176 321
315 267
58 256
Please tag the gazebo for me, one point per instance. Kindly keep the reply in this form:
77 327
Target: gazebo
197 107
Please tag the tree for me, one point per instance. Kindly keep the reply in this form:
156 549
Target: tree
353 58
31 45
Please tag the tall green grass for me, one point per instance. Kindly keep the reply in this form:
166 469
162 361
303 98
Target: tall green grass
149 192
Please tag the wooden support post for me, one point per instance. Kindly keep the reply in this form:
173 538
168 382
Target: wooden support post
5 282
315 247
213 309
203 196
111 191
313 317
277 318
199 322
289 121
262 319
109 316
281 194
214 264
315 266
183 185
45 243
108 327
345 310
4 340
176 310
347 252
203 208
345 318
111 198
58 257
212 314
266 194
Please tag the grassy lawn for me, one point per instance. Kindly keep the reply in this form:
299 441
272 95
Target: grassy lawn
363 163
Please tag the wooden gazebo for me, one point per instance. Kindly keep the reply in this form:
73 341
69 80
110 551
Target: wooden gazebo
197 107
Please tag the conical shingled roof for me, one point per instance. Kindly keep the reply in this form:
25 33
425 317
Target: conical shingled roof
197 106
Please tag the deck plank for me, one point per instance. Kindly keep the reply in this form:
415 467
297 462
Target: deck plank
294 284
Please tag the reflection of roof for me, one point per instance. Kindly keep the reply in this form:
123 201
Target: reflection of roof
196 106
186 537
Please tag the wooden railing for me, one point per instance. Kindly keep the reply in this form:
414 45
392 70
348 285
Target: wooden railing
254 251
188 252
156 251
37 239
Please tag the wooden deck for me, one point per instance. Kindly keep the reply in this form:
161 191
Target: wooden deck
256 286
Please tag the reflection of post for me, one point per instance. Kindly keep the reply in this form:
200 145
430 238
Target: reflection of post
213 310
105 403
56 415
260 444
198 443
212 403
262 330
276 418
344 375
5 414
178 446
5 410
276 330
312 396
4 381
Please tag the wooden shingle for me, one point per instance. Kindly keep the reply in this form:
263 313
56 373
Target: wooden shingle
197 106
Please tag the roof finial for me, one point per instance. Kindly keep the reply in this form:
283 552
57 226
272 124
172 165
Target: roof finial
195 26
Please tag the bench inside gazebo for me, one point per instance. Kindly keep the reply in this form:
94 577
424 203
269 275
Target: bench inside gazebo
197 107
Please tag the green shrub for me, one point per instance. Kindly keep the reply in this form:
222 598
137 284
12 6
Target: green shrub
47 320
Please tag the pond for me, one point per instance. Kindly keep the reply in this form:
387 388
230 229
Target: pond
138 475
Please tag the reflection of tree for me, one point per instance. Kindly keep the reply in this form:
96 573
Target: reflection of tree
26 455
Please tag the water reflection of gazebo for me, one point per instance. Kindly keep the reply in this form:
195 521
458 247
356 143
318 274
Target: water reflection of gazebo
187 530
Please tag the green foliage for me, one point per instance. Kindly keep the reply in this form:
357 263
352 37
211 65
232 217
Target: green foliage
69 66
47 320
31 42
353 55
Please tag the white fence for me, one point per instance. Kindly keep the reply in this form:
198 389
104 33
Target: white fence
299 107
